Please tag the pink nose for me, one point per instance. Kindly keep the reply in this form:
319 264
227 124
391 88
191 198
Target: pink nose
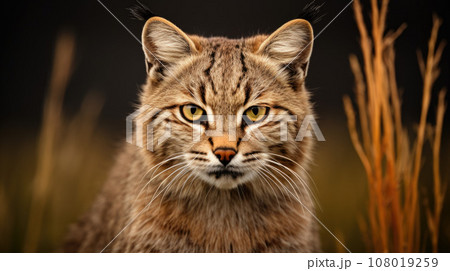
224 155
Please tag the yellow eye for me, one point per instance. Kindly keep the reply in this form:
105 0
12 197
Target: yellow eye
255 114
192 112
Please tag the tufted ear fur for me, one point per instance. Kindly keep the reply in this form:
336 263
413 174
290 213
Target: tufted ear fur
291 44
164 44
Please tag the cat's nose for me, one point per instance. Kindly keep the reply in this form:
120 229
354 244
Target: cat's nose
225 155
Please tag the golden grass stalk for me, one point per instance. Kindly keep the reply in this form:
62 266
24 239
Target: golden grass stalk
434 215
391 164
52 120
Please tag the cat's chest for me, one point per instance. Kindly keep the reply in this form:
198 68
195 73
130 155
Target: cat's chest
208 230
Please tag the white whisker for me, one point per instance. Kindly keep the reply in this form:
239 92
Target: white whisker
184 172
296 163
152 178
176 177
287 178
165 161
301 180
263 175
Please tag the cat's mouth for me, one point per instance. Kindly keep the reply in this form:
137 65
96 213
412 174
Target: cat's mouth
225 172
228 177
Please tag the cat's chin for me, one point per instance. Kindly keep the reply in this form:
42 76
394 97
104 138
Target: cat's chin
226 182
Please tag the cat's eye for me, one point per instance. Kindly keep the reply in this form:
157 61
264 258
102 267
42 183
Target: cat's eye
193 113
255 114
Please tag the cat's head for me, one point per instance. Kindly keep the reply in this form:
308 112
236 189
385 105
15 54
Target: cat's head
227 110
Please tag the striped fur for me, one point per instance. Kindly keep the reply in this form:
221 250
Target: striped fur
199 210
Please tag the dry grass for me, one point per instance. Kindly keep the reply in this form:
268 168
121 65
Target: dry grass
391 162
45 184
69 165
62 67
434 215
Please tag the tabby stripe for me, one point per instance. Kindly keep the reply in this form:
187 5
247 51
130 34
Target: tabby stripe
293 77
239 142
202 92
244 69
160 69
201 159
208 70
248 89
198 152
281 148
283 108
159 72
251 153
155 116
169 107
249 160
278 145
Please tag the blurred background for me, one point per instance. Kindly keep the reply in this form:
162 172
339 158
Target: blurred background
102 86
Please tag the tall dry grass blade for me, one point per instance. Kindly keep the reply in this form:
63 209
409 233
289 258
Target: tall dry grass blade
78 169
361 101
41 185
365 161
393 207
430 72
350 112
433 216
373 72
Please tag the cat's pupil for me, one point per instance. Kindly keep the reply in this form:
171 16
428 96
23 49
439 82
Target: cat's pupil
193 110
255 111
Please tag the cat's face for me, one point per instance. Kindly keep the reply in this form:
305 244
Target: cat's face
227 105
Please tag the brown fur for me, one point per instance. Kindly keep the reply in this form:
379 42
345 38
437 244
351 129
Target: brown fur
196 212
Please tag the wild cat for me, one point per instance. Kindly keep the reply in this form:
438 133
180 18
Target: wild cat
223 192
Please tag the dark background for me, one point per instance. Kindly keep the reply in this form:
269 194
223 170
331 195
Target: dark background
110 61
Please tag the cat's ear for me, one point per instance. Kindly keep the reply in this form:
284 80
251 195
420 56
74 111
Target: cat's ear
164 44
291 44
